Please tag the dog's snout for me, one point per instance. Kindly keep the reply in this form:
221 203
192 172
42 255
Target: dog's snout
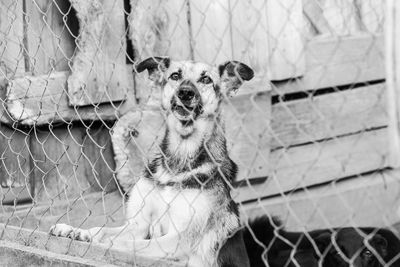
186 94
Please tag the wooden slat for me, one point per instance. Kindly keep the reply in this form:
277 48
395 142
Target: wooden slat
334 62
50 43
43 99
313 11
11 35
247 124
58 165
370 200
15 163
392 54
320 162
372 15
210 23
159 28
325 116
71 161
249 26
286 47
342 17
100 165
99 73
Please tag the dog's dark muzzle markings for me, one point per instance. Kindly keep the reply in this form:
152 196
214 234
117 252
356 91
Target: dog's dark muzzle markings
186 103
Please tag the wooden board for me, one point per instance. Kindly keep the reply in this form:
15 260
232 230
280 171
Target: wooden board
211 31
50 43
392 54
333 62
249 36
43 99
373 15
369 200
159 28
98 153
15 176
314 13
247 124
329 115
12 60
320 162
99 74
342 17
70 161
58 164
286 47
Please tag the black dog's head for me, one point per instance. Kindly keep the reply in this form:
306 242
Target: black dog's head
194 89
351 247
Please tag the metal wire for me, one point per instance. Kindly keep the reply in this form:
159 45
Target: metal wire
79 124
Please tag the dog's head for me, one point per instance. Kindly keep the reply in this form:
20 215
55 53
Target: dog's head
193 89
348 247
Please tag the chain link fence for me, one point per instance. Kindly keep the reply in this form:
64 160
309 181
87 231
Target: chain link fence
78 124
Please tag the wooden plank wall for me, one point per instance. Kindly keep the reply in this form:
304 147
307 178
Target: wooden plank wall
329 128
98 72
59 159
15 159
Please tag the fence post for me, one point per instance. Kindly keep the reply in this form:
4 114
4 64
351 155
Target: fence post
392 55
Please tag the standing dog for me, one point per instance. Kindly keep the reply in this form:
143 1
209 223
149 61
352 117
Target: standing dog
181 206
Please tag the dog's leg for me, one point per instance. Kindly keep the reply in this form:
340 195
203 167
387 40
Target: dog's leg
139 210
95 234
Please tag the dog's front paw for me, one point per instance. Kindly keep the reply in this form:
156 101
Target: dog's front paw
61 229
64 230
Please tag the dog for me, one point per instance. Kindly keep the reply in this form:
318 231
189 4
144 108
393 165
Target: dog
180 207
358 247
268 244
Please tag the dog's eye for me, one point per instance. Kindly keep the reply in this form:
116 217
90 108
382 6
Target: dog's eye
175 76
205 80
367 253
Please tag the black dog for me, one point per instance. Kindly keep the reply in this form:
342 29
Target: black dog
268 244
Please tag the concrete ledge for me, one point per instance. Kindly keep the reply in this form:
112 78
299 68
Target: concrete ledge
35 248
12 254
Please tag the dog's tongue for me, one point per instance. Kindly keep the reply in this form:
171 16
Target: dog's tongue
183 111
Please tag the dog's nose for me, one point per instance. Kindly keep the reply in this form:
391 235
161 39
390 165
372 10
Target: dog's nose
186 94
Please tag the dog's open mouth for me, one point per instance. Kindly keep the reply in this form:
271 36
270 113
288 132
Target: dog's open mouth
183 112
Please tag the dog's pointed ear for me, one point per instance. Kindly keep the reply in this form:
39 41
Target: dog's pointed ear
379 243
323 242
155 66
233 74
